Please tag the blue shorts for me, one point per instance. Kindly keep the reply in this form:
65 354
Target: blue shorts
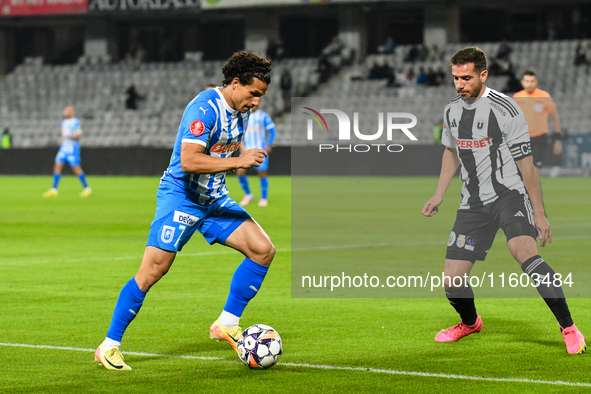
73 159
264 165
178 216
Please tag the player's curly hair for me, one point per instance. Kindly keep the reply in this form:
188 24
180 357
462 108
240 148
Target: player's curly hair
469 55
246 66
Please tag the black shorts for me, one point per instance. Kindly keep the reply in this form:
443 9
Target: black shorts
475 229
538 149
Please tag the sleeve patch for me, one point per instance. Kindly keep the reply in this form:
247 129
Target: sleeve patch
197 128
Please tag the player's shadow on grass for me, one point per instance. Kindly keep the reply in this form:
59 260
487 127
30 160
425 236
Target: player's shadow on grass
522 330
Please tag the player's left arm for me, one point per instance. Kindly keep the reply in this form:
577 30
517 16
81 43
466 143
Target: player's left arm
517 135
270 128
532 184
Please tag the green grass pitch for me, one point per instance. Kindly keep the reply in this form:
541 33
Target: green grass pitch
64 260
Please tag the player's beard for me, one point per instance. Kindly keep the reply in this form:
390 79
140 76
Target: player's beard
473 93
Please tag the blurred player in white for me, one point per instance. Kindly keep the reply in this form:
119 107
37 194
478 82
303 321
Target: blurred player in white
260 134
69 153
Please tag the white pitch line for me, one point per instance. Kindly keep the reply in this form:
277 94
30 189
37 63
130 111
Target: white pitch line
329 367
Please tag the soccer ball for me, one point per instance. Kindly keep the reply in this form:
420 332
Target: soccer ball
261 346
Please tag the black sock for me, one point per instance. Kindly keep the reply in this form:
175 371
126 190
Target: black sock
462 299
553 295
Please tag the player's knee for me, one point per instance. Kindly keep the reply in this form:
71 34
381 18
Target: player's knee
264 252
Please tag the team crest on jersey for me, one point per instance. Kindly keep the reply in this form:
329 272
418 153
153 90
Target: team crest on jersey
167 234
197 128
538 107
461 241
480 124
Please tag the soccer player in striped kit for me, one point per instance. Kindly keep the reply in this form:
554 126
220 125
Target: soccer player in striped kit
192 196
486 135
260 134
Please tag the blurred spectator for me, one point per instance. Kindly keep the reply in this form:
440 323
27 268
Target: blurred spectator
410 76
385 70
494 68
435 53
423 54
553 33
588 54
401 78
334 48
132 98
390 79
504 50
6 139
359 72
286 84
412 54
422 77
275 50
580 55
324 68
388 47
431 78
374 71
505 65
513 85
135 56
441 77
437 132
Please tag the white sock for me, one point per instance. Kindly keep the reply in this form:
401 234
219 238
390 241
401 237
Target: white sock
229 320
109 343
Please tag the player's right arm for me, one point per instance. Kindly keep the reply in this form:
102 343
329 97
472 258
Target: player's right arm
449 165
194 159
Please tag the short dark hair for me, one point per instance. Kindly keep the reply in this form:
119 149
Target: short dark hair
469 55
530 73
246 66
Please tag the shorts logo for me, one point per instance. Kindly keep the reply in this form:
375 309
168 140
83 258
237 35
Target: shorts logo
452 239
167 234
185 218
470 242
197 128
461 241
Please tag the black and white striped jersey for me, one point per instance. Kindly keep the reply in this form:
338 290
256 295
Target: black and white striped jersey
489 135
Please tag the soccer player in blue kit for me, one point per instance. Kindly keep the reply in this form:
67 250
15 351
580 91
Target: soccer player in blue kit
192 196
69 153
259 134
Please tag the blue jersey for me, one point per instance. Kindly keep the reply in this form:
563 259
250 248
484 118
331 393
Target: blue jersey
259 125
209 121
70 127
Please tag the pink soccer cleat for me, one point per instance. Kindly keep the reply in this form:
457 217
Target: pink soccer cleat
246 200
458 331
575 341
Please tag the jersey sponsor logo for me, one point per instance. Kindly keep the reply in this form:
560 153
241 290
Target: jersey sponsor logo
167 234
197 128
474 144
185 218
223 148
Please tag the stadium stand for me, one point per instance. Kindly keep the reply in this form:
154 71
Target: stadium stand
553 61
33 96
